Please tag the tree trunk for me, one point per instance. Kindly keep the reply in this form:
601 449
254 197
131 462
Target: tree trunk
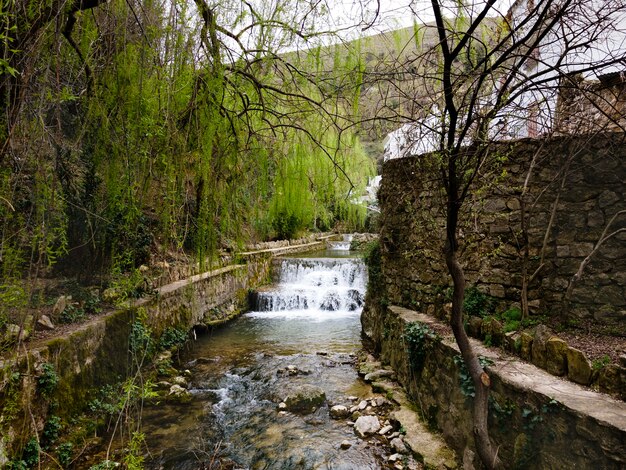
486 451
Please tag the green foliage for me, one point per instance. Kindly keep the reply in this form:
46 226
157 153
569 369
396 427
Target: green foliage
133 460
169 152
106 401
47 380
172 338
65 452
420 339
51 431
286 225
30 454
465 379
600 363
72 314
140 342
477 303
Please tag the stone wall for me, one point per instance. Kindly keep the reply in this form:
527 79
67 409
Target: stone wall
537 421
574 196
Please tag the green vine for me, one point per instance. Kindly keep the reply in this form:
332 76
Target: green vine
419 339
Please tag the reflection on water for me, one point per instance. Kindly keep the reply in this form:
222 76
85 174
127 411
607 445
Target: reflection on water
238 380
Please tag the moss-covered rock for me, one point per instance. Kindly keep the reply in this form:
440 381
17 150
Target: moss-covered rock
578 366
556 356
526 344
538 353
305 399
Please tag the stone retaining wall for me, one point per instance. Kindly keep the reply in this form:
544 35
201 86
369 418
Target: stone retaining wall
96 353
537 421
575 196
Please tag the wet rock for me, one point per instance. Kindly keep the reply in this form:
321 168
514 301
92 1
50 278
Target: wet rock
556 356
345 444
398 446
578 366
339 412
179 394
44 323
379 374
385 430
366 425
182 381
163 385
164 356
305 399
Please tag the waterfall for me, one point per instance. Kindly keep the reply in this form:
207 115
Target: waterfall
320 288
343 245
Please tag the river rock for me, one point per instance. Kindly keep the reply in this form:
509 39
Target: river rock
362 405
44 323
182 381
379 374
305 399
398 446
385 430
366 425
345 444
394 457
339 412
179 393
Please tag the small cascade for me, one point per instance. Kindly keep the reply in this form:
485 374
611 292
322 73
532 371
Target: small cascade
315 287
343 245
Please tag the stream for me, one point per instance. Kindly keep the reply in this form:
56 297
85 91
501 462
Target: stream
304 330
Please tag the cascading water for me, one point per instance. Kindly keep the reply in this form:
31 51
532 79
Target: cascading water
323 288
343 245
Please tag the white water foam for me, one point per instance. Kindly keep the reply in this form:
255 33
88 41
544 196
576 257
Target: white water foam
315 288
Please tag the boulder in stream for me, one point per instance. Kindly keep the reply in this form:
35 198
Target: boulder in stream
339 412
366 425
305 399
